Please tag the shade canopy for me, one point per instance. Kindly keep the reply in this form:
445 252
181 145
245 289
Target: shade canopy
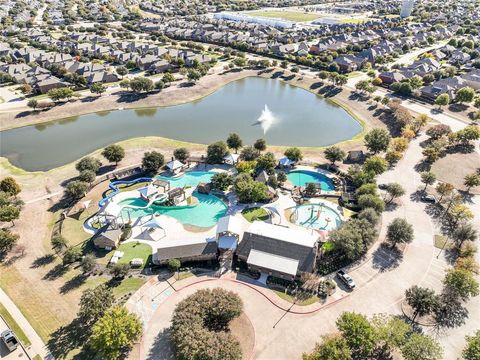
273 262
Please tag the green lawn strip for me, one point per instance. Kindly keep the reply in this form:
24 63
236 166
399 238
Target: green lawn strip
131 251
442 242
256 213
182 275
12 324
300 302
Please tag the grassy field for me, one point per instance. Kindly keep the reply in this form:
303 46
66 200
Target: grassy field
12 324
295 16
353 20
442 242
301 302
255 213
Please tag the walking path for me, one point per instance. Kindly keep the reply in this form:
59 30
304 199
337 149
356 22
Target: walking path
37 346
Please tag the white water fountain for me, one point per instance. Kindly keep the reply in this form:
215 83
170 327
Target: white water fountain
266 119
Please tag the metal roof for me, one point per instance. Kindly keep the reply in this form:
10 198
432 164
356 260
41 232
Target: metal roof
273 262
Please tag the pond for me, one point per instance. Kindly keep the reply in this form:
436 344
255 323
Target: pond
252 107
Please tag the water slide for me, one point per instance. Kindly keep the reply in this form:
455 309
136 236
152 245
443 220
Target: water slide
115 190
156 200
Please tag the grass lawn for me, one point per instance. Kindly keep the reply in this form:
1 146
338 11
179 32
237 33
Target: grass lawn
354 74
442 242
12 324
353 20
255 213
182 275
296 16
132 250
128 285
301 302
328 246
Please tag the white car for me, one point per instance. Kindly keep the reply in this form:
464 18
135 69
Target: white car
9 339
346 279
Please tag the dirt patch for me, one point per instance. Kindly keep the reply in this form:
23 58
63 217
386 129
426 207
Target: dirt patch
454 167
243 331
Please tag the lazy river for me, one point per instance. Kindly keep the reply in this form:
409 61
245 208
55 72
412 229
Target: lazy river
296 118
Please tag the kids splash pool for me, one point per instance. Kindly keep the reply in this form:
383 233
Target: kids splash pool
303 177
316 216
205 214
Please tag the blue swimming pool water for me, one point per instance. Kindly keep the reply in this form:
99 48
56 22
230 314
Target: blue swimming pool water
302 177
189 179
204 214
316 216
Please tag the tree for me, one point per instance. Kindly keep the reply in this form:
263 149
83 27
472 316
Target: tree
97 88
58 242
181 154
442 100
32 103
116 331
249 153
71 255
358 333
423 347
428 178
431 154
122 71
260 145
76 189
10 186
88 263
375 164
472 349
461 283
216 152
9 213
174 265
193 75
60 94
234 142
119 270
94 303
293 154
7 241
459 213
399 231
266 161
332 348
334 153
87 176
221 181
377 140
395 190
168 78
444 189
422 300
141 84
114 153
471 180
200 325
281 178
392 333
465 94
125 84
152 161
248 190
464 232
88 163
371 201
393 157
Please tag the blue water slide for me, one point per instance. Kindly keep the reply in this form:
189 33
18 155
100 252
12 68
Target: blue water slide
113 186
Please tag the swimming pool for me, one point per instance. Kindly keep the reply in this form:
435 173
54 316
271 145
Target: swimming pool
204 214
189 179
302 177
316 216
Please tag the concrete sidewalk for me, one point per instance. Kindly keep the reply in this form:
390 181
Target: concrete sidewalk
37 347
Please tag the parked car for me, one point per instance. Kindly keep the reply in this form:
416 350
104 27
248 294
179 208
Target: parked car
347 280
9 339
383 186
429 199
